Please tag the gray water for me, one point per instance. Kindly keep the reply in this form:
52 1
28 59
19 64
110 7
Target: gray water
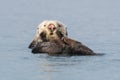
95 23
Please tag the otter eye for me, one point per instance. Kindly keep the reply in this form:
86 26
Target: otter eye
59 25
44 25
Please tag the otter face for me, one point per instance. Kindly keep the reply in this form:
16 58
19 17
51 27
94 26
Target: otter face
47 30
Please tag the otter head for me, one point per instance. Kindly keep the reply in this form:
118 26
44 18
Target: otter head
48 30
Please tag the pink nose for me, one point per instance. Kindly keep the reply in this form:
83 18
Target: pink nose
51 26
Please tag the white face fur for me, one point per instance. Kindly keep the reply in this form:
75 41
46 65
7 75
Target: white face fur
50 27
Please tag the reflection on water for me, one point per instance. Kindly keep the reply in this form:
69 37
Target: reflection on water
94 23
55 64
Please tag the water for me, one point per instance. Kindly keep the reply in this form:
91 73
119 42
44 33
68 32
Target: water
93 22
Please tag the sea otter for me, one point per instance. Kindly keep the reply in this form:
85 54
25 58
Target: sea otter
47 31
52 38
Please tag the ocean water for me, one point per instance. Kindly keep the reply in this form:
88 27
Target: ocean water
95 23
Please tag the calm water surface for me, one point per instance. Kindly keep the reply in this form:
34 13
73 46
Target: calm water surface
96 23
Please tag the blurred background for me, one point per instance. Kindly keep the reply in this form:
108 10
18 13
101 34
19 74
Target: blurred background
95 23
